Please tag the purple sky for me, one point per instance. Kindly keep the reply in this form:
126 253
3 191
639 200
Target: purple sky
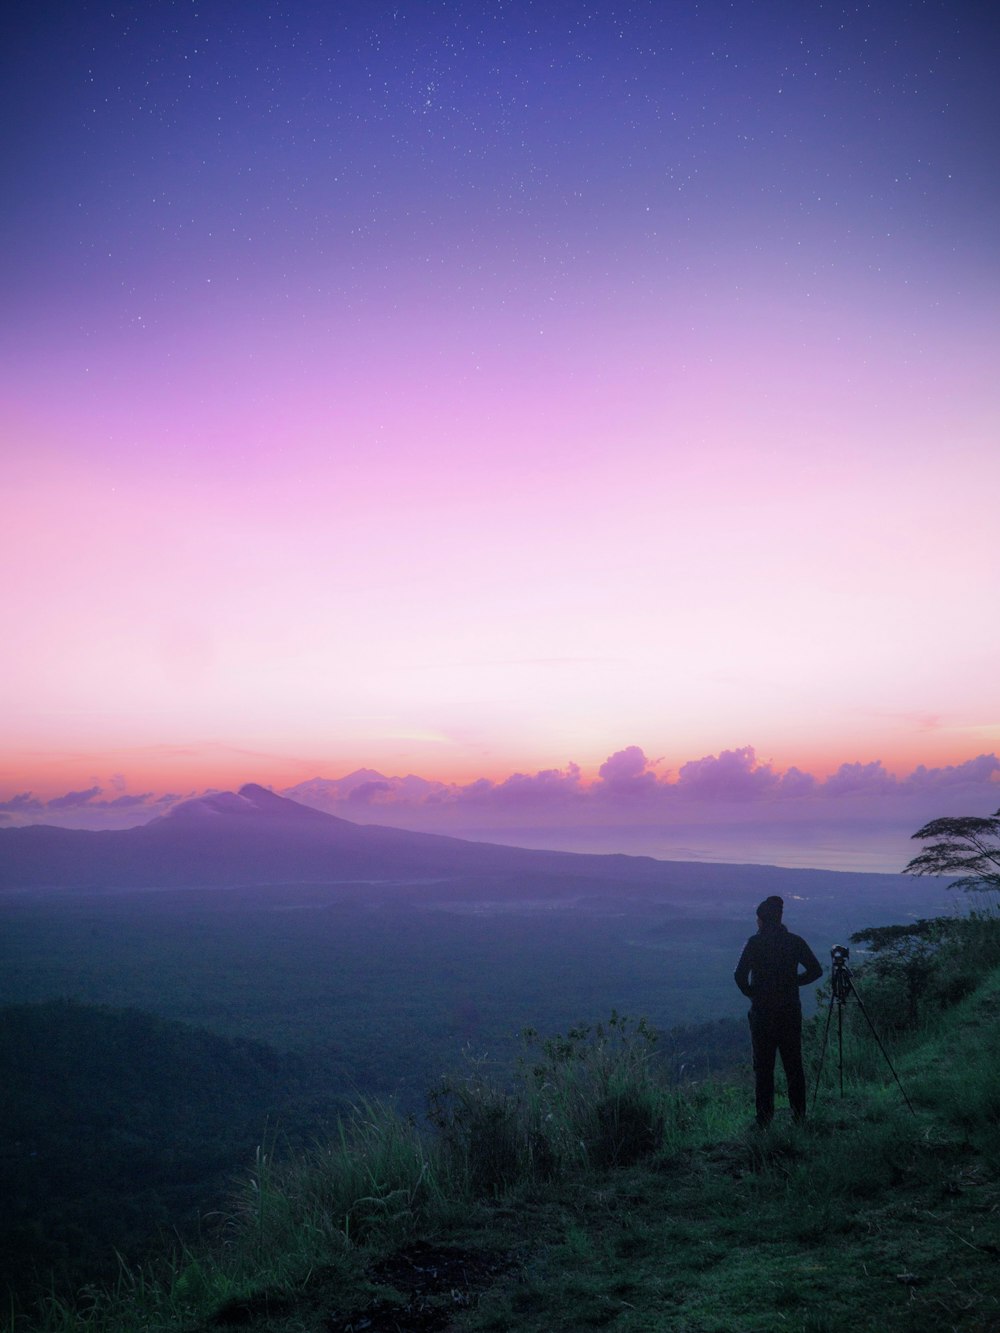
467 390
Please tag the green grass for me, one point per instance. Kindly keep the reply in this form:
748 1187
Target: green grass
622 1202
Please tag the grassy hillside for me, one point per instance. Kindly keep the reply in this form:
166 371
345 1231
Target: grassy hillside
117 1127
593 1192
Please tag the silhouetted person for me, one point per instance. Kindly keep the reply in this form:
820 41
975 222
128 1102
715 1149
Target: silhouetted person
768 975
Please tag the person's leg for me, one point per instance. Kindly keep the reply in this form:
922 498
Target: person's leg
763 1037
790 1047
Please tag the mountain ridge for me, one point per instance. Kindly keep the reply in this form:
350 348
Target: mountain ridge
250 800
254 836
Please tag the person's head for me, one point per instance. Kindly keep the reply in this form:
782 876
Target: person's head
769 912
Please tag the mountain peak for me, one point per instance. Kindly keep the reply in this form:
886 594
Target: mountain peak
263 801
253 791
252 801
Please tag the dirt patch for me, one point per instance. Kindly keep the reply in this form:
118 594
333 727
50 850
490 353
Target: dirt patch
435 1284
423 1288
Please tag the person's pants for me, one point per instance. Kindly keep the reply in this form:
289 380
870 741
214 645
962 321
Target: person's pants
777 1033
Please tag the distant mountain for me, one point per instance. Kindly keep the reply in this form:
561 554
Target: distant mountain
251 802
363 787
255 837
317 790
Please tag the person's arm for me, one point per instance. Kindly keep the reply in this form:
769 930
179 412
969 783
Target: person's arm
813 968
742 974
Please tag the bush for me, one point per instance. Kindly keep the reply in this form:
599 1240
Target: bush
479 1126
596 1095
591 1098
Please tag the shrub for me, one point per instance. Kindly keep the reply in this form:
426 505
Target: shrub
597 1093
479 1132
591 1098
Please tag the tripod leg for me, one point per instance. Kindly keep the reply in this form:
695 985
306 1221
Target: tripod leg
840 1044
878 1042
822 1053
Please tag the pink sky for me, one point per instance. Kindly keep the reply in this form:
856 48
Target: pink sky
484 450
466 584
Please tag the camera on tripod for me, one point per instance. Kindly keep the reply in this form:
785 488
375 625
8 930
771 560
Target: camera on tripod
841 988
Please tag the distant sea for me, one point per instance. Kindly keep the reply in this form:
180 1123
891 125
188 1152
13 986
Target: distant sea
871 849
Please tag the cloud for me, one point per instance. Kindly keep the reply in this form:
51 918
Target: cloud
473 791
794 782
546 786
637 803
22 804
628 773
731 775
854 779
82 809
73 799
367 792
981 769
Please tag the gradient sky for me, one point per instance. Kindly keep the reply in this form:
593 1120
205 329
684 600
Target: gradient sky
459 387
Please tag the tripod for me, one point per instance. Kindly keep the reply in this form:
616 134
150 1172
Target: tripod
841 987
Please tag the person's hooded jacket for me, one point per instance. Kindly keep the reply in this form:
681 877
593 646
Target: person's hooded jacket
768 971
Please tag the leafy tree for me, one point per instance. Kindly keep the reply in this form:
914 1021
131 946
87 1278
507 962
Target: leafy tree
969 846
901 965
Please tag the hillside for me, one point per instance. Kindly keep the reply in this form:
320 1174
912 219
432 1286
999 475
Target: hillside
594 1194
117 1128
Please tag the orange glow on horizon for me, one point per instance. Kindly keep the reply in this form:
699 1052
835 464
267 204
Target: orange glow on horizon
185 770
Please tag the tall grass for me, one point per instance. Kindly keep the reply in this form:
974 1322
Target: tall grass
592 1099
379 1174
